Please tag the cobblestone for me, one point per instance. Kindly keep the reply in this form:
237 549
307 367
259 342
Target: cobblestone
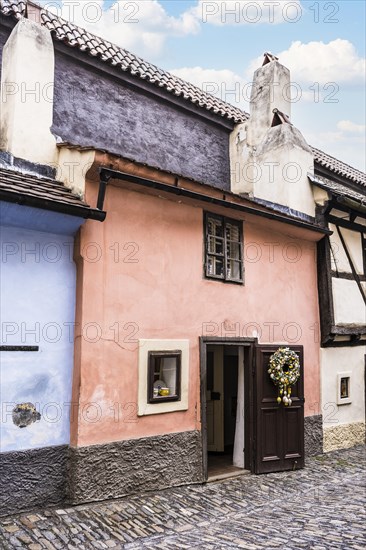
320 507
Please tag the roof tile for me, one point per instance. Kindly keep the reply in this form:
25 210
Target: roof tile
339 167
13 7
338 189
16 183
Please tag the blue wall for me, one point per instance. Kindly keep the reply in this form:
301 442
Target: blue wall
38 281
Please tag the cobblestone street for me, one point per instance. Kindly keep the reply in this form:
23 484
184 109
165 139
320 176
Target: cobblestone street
322 506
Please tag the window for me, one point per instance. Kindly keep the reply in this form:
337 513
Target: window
164 376
223 248
344 388
164 363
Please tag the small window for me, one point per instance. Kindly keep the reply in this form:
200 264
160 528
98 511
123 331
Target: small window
344 388
223 248
164 370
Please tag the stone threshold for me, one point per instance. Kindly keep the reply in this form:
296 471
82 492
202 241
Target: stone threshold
227 475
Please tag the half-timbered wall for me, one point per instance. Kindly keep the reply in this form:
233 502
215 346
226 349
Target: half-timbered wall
342 279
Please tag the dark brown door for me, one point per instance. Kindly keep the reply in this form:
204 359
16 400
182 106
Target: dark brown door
278 430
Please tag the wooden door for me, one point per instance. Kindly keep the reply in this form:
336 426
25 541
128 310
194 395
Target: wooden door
215 399
278 430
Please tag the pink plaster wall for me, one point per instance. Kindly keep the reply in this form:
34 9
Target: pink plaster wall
164 295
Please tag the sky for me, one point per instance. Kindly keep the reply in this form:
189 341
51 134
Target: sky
217 45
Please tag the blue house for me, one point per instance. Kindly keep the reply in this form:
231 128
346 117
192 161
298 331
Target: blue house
39 219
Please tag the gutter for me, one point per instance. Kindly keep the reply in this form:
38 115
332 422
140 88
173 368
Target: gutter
63 208
106 174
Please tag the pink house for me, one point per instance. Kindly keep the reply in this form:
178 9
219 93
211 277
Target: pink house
166 300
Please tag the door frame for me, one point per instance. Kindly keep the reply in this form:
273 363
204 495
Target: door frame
249 357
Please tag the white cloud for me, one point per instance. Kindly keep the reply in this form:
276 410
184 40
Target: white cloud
246 12
337 62
224 83
141 26
351 127
340 144
345 141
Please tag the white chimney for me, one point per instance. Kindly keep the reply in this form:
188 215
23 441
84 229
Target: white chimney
271 90
269 157
26 100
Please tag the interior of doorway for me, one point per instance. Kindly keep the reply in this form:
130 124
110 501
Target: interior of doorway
225 411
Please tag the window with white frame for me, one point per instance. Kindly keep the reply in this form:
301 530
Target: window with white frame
163 376
223 248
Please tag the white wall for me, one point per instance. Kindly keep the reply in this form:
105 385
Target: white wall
349 307
354 245
334 361
37 293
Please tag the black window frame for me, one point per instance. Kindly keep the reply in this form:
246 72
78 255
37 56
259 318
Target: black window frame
152 355
347 385
224 277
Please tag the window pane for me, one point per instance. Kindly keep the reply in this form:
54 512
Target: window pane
215 266
215 245
233 250
215 227
232 232
169 374
344 388
234 270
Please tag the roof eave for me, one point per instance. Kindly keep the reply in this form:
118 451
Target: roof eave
53 206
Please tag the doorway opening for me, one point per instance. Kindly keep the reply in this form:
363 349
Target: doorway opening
225 411
244 428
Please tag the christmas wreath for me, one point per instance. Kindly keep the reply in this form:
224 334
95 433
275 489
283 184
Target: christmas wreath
284 370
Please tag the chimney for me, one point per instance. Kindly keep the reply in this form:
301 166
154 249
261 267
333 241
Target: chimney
26 100
33 12
269 157
270 90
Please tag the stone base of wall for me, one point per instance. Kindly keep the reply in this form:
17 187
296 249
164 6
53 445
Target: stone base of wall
100 472
344 436
313 435
54 476
32 479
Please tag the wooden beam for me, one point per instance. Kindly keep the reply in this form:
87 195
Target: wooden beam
350 261
346 224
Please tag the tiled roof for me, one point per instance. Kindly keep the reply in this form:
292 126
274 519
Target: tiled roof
339 167
338 189
43 193
119 57
77 37
13 7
